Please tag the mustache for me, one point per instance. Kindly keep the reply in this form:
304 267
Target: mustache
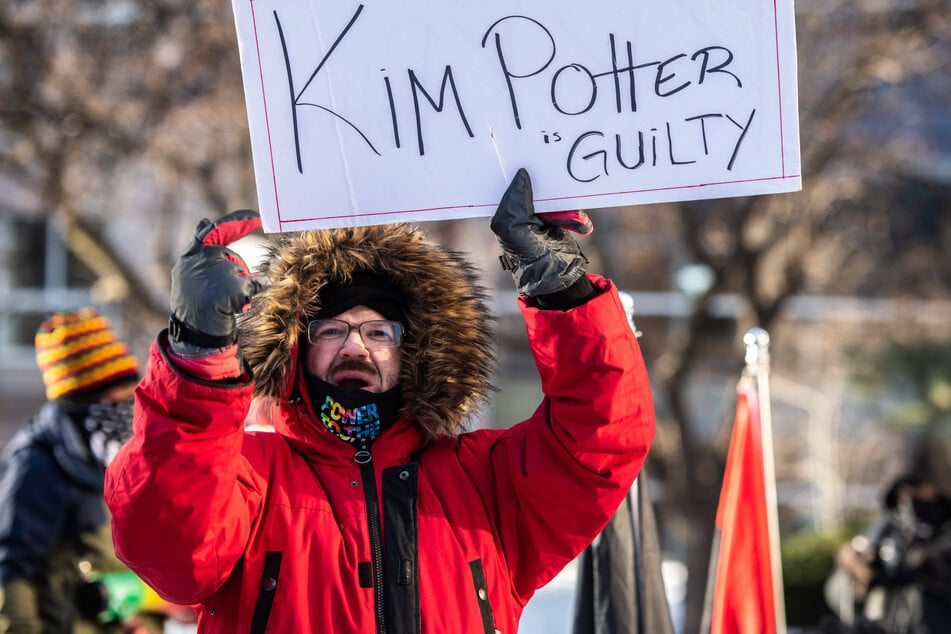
356 365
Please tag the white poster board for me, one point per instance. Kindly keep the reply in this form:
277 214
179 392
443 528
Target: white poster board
373 112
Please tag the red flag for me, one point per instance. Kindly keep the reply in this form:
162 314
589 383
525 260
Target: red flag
743 598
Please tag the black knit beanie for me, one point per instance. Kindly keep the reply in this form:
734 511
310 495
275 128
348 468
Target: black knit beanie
365 288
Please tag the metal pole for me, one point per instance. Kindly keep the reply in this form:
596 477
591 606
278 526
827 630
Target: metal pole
633 498
757 366
627 301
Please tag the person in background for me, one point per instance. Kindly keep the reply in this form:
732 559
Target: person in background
896 576
54 528
370 508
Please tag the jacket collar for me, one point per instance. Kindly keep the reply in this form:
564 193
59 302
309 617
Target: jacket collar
396 445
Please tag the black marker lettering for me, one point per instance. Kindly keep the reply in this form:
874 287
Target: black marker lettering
640 151
290 83
506 73
447 78
661 78
614 71
739 141
629 69
670 149
586 157
295 98
703 128
704 70
593 91
389 96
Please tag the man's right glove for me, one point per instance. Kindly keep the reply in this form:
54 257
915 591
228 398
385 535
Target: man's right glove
542 258
211 283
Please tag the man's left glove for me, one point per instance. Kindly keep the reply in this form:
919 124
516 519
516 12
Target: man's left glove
211 283
542 258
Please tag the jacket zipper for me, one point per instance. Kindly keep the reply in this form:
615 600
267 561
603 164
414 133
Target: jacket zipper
365 460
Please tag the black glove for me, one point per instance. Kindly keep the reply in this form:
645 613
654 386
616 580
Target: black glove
542 258
92 599
211 283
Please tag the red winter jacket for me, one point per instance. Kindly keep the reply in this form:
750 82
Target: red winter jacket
286 532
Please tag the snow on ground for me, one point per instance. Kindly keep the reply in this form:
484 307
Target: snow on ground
552 608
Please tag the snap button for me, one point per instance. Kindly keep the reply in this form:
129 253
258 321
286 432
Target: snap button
404 475
353 483
269 584
482 594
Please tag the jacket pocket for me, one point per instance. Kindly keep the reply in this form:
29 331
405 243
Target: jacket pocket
266 591
481 590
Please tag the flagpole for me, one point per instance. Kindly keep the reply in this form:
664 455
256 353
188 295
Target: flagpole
628 303
757 367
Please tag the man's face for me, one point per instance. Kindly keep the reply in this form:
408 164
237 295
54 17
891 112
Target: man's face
349 363
119 393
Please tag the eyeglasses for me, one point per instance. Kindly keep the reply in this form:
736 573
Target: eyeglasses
376 334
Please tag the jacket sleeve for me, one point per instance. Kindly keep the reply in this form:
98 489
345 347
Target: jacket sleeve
554 480
182 497
34 498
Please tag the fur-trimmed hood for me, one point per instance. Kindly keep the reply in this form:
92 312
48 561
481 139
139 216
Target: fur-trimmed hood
449 354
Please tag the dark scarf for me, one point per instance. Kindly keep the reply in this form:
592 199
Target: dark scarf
105 426
351 414
109 426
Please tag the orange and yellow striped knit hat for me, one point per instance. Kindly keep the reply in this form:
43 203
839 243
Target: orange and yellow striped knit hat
78 352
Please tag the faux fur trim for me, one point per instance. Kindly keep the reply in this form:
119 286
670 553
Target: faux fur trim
449 351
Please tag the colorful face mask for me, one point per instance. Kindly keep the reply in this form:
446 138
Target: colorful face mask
353 415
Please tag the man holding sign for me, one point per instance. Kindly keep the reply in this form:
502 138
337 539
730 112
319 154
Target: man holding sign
371 509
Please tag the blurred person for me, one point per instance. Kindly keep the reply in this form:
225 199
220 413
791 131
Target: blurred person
369 508
54 528
897 575
620 589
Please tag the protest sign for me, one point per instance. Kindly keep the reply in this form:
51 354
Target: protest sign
373 112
